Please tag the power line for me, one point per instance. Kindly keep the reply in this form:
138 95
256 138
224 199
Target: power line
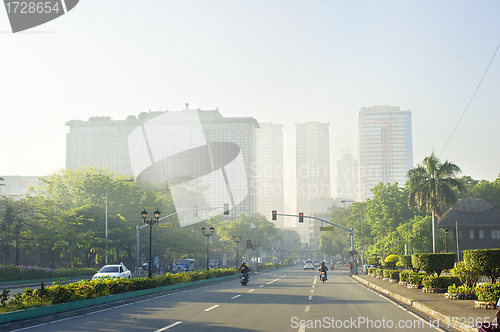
465 110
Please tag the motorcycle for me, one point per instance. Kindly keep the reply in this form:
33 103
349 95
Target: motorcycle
323 276
243 279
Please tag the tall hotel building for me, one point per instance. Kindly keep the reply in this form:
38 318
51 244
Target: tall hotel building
385 150
313 164
191 142
269 171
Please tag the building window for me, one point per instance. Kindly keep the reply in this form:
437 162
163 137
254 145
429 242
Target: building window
495 233
481 234
471 234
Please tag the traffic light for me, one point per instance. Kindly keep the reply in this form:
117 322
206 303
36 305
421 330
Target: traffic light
226 209
274 214
301 217
195 211
249 244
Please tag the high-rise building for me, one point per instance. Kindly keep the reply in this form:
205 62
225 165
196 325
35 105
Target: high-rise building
347 178
312 163
385 150
269 171
192 143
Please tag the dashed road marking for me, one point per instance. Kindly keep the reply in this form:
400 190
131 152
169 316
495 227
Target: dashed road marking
212 307
235 296
167 327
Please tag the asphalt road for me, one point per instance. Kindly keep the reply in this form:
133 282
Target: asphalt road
288 299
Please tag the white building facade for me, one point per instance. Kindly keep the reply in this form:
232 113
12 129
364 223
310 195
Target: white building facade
269 172
385 148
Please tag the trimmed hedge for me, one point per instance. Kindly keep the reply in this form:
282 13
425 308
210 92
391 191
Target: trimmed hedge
375 261
416 278
387 273
485 261
394 274
403 275
488 292
439 282
433 263
372 270
379 272
405 261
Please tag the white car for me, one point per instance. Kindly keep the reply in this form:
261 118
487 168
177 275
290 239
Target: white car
317 263
113 271
308 265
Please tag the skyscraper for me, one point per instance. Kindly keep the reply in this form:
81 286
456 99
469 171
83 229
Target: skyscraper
269 170
312 163
385 150
189 143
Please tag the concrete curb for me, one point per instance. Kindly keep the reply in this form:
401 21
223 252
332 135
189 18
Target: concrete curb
417 305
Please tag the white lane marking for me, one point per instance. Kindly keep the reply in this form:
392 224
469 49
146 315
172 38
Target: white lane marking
270 282
314 283
30 327
312 290
251 290
167 327
235 296
310 297
95 312
62 319
399 306
308 307
213 307
302 328
313 286
261 286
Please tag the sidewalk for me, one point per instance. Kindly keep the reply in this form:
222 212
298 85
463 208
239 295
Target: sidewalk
459 314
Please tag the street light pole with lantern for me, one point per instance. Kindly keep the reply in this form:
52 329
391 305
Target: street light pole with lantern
151 222
237 241
208 235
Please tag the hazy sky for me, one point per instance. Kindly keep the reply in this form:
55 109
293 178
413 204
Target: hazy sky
278 61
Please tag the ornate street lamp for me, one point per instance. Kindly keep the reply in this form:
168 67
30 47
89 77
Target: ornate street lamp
151 222
237 241
208 235
411 244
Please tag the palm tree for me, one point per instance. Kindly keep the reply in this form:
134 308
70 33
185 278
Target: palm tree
430 186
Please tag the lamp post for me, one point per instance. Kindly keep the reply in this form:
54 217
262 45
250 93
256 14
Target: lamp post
151 222
107 188
237 241
257 252
208 235
445 240
411 244
361 229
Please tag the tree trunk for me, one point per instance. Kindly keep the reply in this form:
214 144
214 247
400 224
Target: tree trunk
434 233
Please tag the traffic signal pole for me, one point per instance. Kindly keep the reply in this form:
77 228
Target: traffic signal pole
301 215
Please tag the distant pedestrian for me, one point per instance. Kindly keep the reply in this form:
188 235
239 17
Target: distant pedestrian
350 268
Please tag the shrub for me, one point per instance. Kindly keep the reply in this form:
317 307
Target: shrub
387 273
379 272
488 292
484 261
433 263
375 261
405 261
403 275
416 278
394 274
466 274
391 260
439 282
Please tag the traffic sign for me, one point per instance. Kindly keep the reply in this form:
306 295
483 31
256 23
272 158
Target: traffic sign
165 225
329 228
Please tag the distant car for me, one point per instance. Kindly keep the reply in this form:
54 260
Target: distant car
308 265
113 271
317 263
366 267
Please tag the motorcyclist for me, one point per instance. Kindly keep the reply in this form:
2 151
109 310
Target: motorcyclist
244 270
322 268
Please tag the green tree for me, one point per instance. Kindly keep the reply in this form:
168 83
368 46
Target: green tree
430 188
